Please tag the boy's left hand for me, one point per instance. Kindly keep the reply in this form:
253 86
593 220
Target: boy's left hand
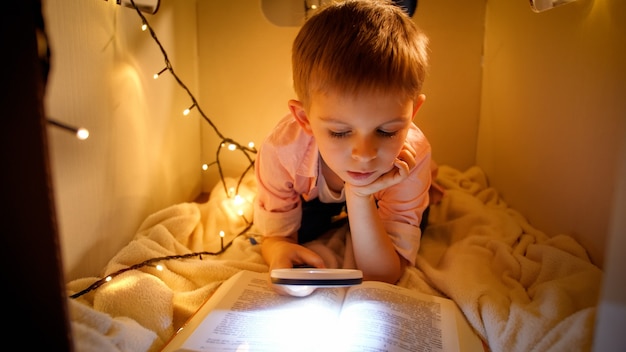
404 163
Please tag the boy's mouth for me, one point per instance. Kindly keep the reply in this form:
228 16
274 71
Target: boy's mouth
359 175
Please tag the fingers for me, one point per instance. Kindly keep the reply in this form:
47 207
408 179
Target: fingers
406 157
296 255
305 256
285 254
402 167
290 255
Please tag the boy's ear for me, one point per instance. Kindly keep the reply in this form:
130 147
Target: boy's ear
297 111
418 103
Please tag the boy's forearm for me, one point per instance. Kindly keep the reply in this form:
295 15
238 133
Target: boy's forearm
374 251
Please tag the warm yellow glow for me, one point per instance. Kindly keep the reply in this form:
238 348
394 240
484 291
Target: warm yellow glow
236 206
108 279
205 167
232 147
238 200
144 27
159 267
251 144
222 234
82 133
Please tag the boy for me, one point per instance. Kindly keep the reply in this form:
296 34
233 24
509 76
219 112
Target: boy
358 69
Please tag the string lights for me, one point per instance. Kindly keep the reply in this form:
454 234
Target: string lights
158 260
248 150
80 132
235 205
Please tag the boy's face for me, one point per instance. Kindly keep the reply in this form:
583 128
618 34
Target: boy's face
360 136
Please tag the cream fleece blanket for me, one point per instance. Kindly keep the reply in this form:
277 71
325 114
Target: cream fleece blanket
519 289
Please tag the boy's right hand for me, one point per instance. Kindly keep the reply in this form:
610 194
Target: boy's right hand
284 252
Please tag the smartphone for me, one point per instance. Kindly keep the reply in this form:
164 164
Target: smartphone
316 277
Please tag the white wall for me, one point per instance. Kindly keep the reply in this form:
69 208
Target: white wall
553 131
553 113
449 117
142 154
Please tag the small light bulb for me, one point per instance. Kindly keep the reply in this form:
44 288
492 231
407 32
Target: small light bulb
186 111
222 240
157 75
82 134
205 167
232 147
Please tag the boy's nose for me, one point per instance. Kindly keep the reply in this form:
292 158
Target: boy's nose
364 150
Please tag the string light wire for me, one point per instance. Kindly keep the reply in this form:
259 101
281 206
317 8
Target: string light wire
80 132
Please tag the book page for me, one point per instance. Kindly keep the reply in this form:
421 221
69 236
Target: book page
250 316
381 317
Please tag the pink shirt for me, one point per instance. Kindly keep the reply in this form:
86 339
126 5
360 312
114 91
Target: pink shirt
287 166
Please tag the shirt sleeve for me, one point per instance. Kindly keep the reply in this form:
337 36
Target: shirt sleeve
284 170
277 207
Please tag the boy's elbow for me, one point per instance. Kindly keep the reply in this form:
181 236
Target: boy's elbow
391 275
388 277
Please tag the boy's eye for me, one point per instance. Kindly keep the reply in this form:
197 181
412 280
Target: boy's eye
342 134
386 133
335 134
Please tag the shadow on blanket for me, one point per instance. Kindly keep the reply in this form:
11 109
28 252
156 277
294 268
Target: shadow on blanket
519 289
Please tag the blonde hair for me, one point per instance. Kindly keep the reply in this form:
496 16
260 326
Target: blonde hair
359 45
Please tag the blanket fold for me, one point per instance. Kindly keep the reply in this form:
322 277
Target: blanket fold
520 289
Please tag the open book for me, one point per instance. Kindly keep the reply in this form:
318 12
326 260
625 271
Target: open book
246 314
